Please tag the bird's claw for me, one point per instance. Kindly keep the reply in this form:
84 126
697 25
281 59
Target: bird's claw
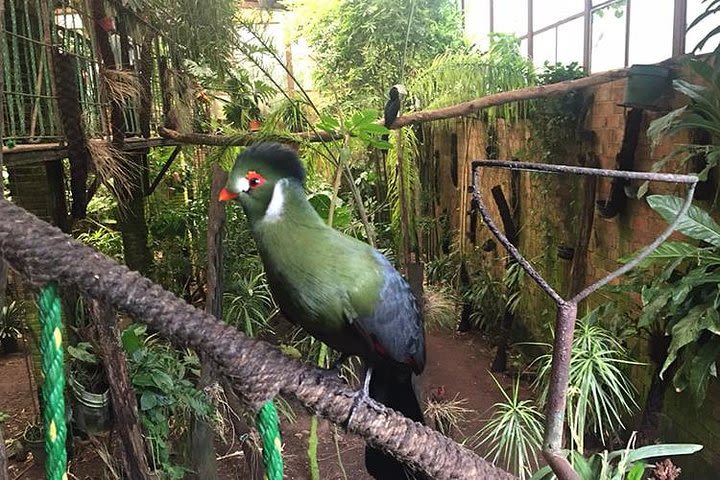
361 396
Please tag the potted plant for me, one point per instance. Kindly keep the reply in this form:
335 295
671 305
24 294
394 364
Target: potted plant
12 326
33 439
89 388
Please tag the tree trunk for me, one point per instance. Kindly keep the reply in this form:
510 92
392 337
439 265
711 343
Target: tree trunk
124 401
202 447
3 457
132 221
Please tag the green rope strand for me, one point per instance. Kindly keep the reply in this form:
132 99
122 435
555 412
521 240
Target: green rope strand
269 426
54 383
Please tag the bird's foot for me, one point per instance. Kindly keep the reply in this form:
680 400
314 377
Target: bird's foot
361 396
335 370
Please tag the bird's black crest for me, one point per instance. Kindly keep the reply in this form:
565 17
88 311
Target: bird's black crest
277 156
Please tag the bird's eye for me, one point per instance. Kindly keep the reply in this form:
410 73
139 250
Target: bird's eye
255 179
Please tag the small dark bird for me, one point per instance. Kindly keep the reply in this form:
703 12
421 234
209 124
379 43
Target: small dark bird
339 289
392 107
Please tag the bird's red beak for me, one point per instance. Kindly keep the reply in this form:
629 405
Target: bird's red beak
226 195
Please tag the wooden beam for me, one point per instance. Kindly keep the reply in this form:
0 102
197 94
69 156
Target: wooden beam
31 153
243 139
528 93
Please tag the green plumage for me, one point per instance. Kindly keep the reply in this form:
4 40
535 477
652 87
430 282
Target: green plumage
317 274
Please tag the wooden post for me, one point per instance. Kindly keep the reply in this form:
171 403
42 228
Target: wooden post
202 450
3 457
123 398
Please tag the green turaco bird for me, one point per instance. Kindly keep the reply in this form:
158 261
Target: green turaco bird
339 289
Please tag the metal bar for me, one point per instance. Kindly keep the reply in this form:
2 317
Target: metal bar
557 24
164 169
587 36
530 34
599 172
534 274
643 253
679 26
628 4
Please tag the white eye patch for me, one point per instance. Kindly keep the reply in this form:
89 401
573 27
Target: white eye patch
243 185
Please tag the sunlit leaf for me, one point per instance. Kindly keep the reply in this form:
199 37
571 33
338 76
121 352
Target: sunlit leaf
697 224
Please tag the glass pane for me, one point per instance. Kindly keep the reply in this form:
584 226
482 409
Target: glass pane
608 37
477 22
544 48
570 41
511 17
651 27
547 12
698 32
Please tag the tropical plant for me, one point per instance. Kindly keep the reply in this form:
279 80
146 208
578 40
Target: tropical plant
460 75
556 121
12 325
712 9
361 48
163 379
247 96
681 299
626 464
703 114
203 32
514 432
485 296
599 391
248 301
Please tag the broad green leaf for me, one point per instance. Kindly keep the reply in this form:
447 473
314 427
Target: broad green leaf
668 251
328 123
696 92
697 224
701 367
662 450
148 400
131 340
636 472
82 353
688 329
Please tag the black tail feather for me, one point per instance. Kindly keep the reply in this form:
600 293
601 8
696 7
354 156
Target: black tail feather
393 387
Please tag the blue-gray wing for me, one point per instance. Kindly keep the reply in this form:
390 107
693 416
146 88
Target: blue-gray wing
395 330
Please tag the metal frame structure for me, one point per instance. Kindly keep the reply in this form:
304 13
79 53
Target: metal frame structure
590 8
567 308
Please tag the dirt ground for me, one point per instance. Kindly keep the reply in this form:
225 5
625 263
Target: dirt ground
458 363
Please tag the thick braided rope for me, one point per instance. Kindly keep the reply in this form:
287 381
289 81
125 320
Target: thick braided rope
53 383
258 371
268 425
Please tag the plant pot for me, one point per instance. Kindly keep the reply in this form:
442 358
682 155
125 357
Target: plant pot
33 439
10 344
255 125
91 411
646 85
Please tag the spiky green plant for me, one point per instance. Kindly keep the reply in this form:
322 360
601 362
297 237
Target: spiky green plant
514 432
600 393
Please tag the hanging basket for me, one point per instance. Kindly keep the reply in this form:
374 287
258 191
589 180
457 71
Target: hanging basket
646 85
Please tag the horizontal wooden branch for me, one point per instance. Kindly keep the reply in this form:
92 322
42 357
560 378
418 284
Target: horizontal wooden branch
502 98
243 139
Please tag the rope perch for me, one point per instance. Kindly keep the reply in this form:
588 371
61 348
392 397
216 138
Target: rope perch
258 371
